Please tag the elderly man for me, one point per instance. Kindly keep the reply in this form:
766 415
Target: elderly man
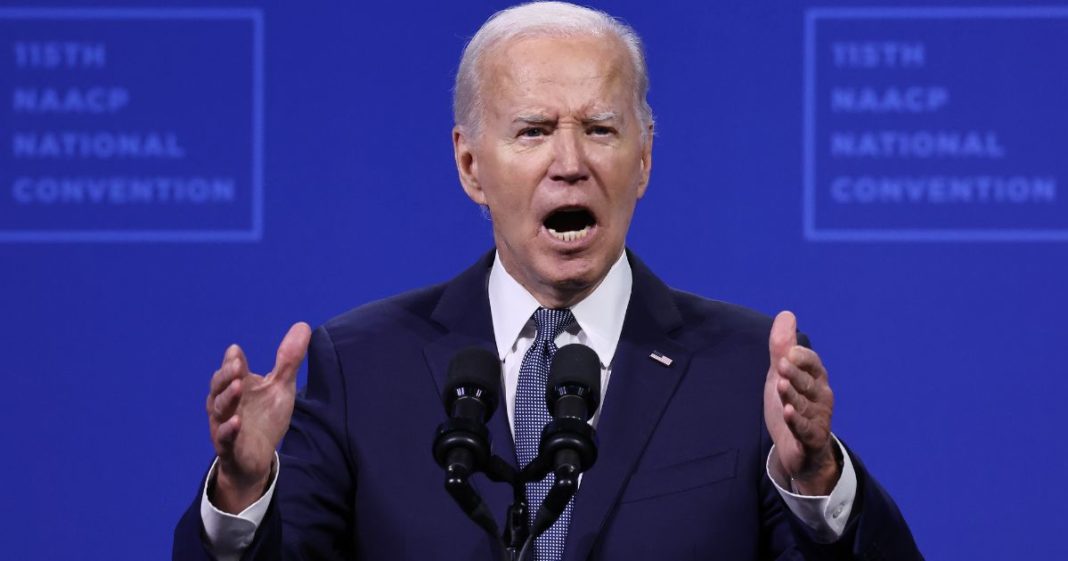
554 137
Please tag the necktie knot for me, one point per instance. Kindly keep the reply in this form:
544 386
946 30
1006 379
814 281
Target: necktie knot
550 322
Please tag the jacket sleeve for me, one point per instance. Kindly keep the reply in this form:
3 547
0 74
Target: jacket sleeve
876 530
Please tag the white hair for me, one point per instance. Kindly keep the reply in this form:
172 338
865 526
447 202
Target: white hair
541 18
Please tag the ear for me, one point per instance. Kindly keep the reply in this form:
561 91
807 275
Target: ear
466 166
646 162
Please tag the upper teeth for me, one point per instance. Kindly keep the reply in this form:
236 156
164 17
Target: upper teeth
570 236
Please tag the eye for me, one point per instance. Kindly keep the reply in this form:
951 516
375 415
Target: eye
600 130
533 132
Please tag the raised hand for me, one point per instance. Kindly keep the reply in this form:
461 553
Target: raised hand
248 414
798 403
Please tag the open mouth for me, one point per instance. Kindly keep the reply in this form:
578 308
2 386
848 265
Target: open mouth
570 224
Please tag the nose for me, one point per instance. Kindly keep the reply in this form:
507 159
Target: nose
569 159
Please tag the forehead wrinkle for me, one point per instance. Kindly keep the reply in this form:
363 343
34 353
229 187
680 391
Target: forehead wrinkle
601 104
505 83
504 58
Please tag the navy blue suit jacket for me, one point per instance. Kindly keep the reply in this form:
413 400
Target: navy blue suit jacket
682 447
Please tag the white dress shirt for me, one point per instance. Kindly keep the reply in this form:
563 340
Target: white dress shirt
598 324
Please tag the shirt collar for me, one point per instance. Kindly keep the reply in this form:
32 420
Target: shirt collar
599 315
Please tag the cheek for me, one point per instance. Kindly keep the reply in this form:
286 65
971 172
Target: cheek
621 163
623 186
512 183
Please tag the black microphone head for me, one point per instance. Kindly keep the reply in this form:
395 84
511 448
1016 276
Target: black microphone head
576 370
473 372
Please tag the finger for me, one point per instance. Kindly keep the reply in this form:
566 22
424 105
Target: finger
789 395
232 352
230 371
227 433
807 431
291 352
222 378
239 360
783 335
228 354
801 380
807 360
818 410
225 404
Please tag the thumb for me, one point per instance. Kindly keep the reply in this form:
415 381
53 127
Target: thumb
291 351
783 335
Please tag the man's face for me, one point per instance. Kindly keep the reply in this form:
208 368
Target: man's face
559 160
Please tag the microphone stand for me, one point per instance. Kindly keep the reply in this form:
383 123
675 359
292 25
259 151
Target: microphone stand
516 539
516 530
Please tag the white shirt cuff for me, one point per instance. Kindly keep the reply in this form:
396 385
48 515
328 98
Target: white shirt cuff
827 514
228 534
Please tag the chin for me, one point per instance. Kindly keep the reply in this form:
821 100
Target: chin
574 273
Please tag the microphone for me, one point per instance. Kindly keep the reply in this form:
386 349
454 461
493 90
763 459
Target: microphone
461 446
568 442
574 388
471 384
470 398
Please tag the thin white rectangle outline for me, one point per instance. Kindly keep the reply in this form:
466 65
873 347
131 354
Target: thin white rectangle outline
254 15
808 133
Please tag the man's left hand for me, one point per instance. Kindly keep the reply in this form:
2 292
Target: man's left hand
798 403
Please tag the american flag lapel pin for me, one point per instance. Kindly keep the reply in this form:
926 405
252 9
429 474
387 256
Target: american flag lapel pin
661 358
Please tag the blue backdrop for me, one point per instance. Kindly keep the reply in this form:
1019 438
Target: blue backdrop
179 179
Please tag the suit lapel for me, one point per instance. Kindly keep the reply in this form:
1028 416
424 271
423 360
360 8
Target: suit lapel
638 393
464 312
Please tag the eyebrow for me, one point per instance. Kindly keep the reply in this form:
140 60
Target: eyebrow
601 117
540 119
533 118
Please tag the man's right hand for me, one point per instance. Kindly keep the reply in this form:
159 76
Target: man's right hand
248 415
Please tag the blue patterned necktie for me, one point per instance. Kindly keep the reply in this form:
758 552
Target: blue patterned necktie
531 415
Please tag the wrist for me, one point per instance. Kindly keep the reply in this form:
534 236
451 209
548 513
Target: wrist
235 494
822 480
